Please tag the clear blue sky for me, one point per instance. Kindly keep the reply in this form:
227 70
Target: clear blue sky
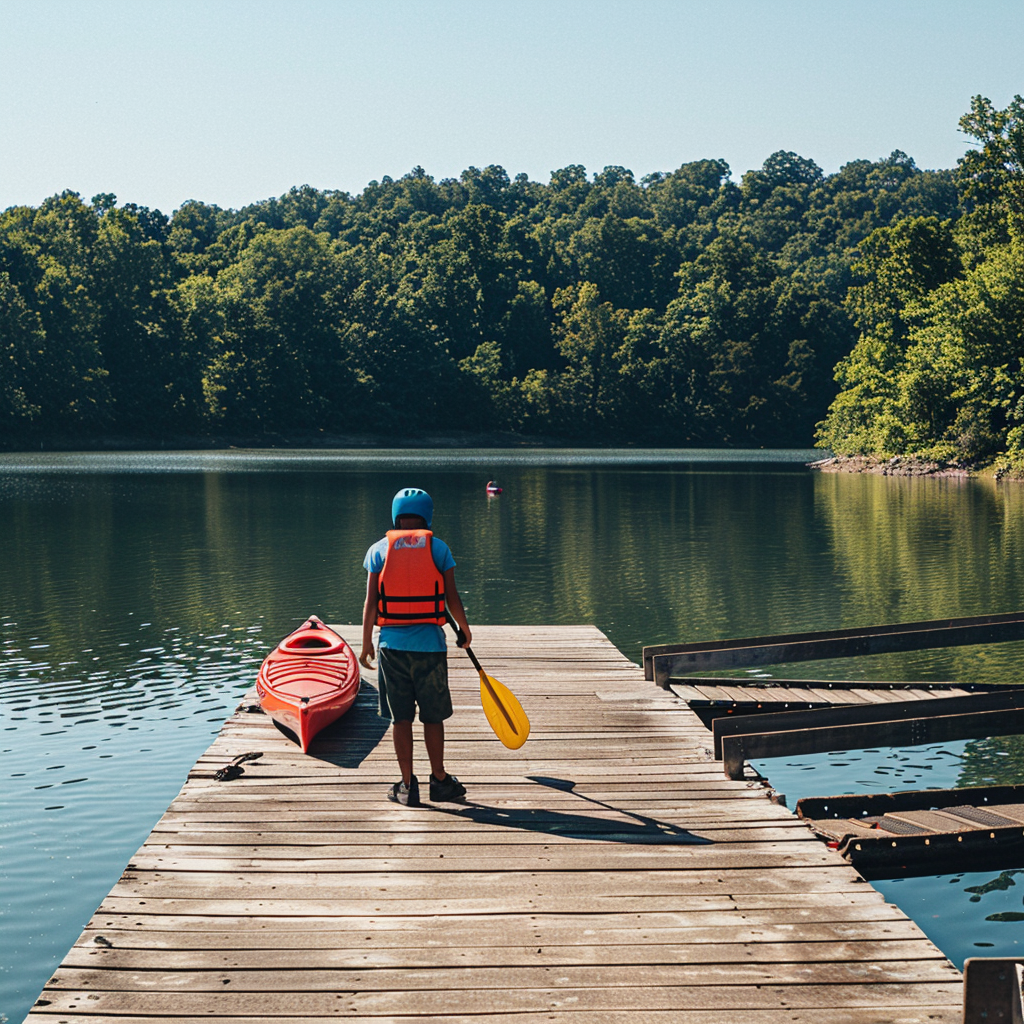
230 102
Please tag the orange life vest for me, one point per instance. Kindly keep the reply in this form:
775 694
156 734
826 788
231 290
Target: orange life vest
410 587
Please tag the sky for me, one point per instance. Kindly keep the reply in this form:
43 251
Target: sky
161 101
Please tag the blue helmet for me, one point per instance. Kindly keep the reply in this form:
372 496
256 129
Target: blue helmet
411 501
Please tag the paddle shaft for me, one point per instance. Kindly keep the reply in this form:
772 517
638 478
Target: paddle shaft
459 637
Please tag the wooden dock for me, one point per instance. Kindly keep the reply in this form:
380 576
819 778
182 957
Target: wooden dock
605 872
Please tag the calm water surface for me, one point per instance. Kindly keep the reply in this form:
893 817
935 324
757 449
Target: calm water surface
140 592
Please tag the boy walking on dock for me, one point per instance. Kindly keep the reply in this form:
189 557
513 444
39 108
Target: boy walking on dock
410 586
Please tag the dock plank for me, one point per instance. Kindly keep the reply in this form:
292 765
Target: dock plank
920 1014
207 977
604 872
636 1000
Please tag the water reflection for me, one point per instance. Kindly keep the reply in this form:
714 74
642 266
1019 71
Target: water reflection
886 770
650 554
140 592
916 549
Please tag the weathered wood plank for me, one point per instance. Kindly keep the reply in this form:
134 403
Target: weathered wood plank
339 906
590 889
475 843
185 930
180 974
474 933
850 805
925 1013
915 952
510 999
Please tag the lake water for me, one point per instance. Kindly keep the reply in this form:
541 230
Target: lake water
139 593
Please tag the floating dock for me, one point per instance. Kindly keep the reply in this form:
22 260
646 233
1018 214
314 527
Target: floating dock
717 697
957 828
605 872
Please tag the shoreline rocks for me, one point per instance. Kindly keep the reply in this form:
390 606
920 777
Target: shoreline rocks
898 465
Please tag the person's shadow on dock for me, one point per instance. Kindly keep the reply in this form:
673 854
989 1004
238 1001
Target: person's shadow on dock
640 829
350 740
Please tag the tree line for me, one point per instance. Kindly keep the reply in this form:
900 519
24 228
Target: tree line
680 309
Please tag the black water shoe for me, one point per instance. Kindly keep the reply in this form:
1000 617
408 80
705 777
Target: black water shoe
408 796
448 788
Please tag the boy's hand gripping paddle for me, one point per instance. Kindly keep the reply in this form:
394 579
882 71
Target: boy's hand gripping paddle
504 713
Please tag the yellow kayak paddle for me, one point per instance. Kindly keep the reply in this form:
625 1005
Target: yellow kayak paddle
504 713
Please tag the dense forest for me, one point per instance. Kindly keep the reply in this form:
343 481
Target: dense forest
681 309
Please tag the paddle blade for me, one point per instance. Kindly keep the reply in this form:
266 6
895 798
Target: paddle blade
504 713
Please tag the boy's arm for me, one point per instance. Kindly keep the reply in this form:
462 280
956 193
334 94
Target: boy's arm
369 618
454 603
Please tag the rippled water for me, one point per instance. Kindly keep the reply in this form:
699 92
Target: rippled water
140 592
92 755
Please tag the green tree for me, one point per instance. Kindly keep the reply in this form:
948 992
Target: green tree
589 335
201 364
469 278
899 267
993 173
131 275
71 382
961 389
283 365
738 347
526 331
21 344
625 259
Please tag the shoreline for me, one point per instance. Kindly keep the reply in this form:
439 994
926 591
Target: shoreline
897 465
905 466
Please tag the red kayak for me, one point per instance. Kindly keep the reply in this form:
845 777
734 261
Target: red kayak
309 680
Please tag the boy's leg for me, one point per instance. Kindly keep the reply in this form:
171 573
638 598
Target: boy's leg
433 740
435 704
401 735
442 785
398 704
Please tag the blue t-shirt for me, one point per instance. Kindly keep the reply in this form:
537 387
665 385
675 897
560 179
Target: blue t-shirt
423 636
